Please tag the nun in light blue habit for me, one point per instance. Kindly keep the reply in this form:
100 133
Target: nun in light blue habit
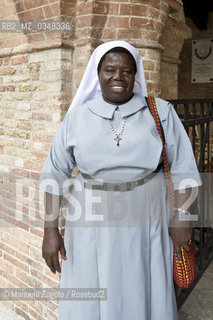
117 223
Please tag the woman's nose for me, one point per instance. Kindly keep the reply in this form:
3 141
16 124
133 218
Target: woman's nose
118 75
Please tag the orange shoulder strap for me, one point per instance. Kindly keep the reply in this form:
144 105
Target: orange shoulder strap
169 185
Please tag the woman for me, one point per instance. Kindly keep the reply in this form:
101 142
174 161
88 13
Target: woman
117 232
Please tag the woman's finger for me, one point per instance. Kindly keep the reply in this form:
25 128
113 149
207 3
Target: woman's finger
186 246
56 263
63 252
50 264
178 252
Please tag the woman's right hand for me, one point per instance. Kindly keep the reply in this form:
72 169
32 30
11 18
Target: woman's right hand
53 243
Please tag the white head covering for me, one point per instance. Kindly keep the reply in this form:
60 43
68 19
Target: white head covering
89 87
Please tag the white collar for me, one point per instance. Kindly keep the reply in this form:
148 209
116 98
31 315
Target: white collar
106 110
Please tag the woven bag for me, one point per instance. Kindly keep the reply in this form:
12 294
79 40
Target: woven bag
184 272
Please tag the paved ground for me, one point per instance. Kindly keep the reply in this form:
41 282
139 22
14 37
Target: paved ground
7 314
199 304
197 307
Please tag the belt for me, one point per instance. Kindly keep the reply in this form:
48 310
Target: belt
121 187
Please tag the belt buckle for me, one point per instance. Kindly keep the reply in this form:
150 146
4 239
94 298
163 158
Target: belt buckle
124 186
105 186
117 187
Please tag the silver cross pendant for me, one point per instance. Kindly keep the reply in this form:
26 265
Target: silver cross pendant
117 138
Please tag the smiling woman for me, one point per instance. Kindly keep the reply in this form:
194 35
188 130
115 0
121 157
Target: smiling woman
117 77
118 237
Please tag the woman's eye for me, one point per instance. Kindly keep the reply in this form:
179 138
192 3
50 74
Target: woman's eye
109 71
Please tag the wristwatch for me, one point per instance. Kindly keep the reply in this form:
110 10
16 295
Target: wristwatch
180 214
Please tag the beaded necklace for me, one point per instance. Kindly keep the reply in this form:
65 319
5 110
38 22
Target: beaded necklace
117 135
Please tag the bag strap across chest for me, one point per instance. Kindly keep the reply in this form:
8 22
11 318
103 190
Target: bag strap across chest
154 111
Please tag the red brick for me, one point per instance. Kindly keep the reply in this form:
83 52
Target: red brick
6 248
22 313
43 278
35 315
36 37
39 126
118 22
29 4
153 13
13 222
119 0
28 279
41 116
36 254
83 21
52 35
100 8
52 10
1 131
7 10
6 61
6 267
34 175
1 149
20 172
16 262
27 15
37 232
37 306
150 35
19 60
133 10
39 155
37 14
68 9
108 33
24 125
150 3
141 23
153 88
158 27
7 88
148 65
83 9
13 280
35 264
20 6
129 34
22 305
33 166
113 8
7 70
98 21
9 114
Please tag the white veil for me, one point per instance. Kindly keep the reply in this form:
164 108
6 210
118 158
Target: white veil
89 87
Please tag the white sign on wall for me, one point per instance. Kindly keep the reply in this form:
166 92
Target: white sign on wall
202 61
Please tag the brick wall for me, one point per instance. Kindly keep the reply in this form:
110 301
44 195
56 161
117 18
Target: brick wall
39 75
32 107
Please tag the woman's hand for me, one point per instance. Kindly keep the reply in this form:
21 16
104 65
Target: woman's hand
181 234
53 243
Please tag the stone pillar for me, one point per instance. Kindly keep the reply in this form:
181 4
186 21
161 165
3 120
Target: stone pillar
172 39
140 24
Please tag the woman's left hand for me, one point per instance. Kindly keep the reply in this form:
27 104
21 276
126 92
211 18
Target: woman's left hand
181 234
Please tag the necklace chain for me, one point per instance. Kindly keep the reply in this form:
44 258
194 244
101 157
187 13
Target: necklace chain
117 135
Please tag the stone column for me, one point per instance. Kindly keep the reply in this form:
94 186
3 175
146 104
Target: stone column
172 39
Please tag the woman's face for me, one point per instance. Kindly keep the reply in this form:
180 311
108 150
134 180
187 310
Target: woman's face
117 77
